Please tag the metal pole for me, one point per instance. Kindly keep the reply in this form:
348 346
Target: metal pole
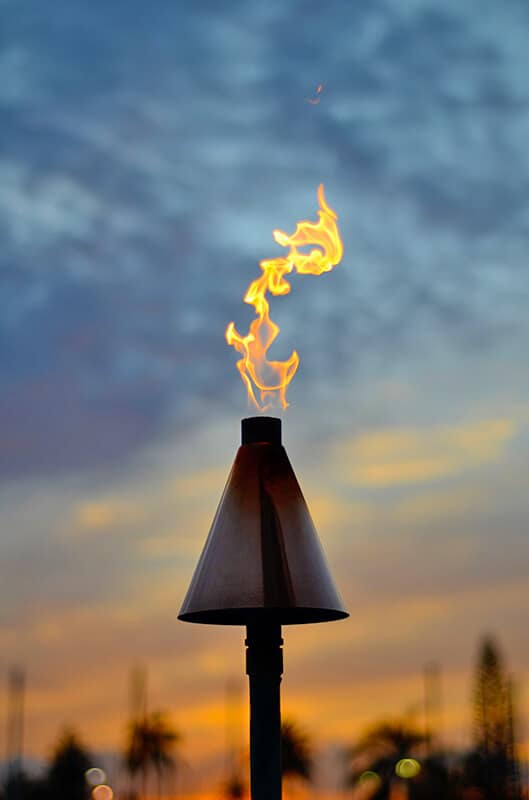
264 666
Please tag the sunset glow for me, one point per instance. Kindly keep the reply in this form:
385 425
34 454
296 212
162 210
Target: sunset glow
149 154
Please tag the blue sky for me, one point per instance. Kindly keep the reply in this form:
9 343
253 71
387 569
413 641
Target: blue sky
146 155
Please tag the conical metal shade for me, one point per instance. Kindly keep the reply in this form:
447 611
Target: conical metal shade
262 558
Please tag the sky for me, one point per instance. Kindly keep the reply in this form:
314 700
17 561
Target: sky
147 152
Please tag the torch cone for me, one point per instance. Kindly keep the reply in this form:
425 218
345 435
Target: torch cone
262 560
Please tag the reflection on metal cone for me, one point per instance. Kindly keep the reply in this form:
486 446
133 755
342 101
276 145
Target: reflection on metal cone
262 559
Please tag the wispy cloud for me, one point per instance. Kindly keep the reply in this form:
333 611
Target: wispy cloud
149 201
407 456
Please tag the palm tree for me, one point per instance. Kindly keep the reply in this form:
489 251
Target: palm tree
379 751
150 745
297 757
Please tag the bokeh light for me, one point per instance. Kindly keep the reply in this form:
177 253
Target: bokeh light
369 777
407 768
95 775
102 792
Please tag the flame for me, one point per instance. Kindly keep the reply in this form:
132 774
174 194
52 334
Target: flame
270 379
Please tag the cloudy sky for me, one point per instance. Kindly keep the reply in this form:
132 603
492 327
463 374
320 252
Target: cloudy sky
146 155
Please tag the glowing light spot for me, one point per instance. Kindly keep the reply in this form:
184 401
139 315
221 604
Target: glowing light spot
369 777
315 100
95 776
407 768
102 792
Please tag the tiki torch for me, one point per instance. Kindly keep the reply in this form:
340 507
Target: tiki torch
262 565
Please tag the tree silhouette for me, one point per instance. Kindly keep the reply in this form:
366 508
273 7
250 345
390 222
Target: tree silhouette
490 700
234 788
492 766
66 775
24 787
297 758
378 752
149 748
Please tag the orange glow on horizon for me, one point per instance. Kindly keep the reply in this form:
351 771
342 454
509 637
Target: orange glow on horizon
271 378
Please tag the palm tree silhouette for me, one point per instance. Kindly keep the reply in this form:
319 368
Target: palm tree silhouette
150 747
297 757
379 751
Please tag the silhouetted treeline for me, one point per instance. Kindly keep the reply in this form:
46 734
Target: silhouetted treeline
65 777
396 751
148 752
389 752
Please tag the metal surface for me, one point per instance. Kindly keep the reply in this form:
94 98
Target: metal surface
262 560
264 666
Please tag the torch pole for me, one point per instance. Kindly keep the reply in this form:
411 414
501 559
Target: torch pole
264 666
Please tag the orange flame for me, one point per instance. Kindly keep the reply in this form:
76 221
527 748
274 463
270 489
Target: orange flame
271 378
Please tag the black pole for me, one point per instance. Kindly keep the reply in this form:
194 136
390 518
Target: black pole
264 666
